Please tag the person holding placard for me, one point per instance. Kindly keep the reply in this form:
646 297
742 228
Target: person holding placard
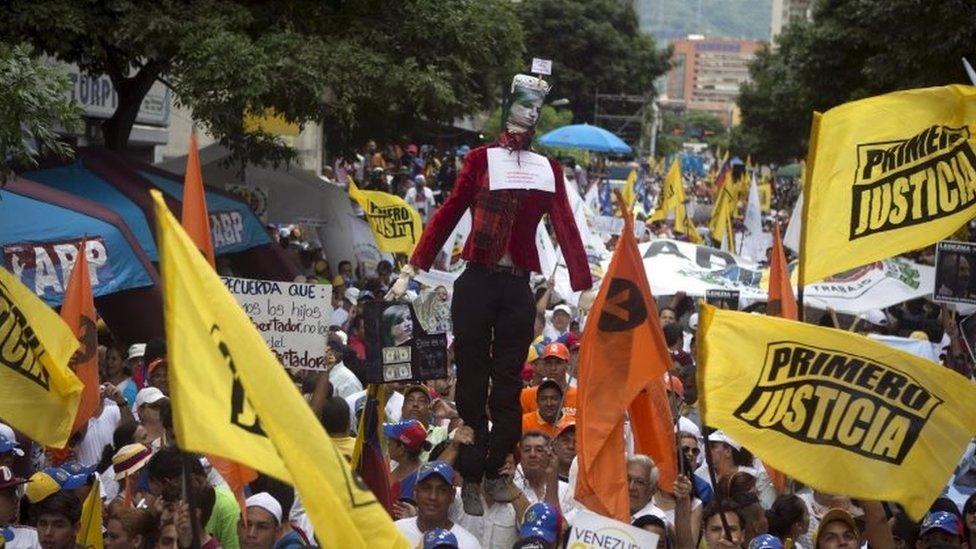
508 189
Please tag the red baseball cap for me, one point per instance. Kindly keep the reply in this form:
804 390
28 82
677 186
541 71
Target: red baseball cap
557 350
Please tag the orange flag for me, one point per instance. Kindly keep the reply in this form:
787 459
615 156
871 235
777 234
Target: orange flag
196 222
622 365
781 303
78 312
194 216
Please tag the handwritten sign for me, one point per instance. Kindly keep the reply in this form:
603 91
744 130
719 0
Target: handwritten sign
519 170
590 530
541 66
293 318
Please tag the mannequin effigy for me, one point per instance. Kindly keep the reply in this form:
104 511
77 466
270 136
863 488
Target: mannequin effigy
493 308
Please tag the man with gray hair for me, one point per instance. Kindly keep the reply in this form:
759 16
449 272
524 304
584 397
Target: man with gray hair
642 477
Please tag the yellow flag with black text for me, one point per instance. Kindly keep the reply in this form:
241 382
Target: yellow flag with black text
834 409
395 225
90 531
39 394
888 174
231 398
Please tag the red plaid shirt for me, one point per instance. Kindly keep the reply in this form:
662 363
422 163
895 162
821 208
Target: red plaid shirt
504 221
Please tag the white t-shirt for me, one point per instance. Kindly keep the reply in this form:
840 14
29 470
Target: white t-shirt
99 434
344 382
408 527
422 203
393 406
651 509
339 316
497 528
24 537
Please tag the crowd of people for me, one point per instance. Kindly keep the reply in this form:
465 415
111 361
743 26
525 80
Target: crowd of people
129 454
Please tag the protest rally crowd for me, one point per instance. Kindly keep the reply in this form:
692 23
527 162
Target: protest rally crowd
574 406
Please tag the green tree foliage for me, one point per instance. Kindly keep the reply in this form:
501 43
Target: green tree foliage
595 46
365 68
853 49
34 105
690 126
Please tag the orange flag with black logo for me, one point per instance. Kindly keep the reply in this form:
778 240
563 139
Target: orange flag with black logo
78 312
194 217
782 302
622 365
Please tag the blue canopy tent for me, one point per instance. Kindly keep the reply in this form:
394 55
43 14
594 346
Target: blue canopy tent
40 234
80 180
124 186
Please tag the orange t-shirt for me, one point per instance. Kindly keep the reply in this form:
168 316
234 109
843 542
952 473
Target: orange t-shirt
532 421
529 404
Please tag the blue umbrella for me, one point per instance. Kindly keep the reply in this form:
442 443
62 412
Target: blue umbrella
587 137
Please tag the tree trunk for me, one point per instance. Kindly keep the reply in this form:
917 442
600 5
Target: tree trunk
131 92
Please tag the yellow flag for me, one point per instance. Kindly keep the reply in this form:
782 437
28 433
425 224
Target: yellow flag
90 534
765 195
720 224
838 411
232 398
628 190
395 225
672 193
39 394
673 200
888 174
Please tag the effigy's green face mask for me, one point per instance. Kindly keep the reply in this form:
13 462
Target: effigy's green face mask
525 103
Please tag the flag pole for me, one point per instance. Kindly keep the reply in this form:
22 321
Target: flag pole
706 431
190 500
807 183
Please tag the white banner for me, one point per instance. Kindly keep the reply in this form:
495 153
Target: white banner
293 318
592 531
673 266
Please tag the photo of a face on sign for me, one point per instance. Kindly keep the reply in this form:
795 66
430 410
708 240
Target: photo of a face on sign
525 103
397 324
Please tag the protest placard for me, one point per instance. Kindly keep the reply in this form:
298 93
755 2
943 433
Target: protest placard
519 170
953 272
397 346
292 317
723 299
592 531
541 66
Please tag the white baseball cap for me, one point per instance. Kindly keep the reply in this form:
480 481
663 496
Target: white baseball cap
148 395
719 436
137 350
352 295
564 308
266 501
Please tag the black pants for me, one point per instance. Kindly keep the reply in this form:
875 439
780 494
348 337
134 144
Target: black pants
493 315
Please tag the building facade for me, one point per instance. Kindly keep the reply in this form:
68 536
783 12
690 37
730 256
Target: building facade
787 11
706 73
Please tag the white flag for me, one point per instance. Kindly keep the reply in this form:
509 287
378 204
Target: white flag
754 242
792 237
